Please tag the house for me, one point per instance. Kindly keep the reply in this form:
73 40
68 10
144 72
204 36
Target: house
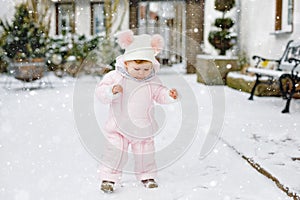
263 27
169 18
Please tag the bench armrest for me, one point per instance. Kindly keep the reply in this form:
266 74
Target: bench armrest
297 62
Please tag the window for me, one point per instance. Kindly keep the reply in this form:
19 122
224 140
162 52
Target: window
65 18
98 18
284 16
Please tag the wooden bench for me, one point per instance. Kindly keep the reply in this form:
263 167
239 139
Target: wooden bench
284 71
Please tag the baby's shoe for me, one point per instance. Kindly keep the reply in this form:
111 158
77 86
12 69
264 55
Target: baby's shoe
107 186
150 183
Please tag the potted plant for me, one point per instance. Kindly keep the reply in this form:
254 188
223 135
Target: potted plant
24 43
222 38
214 69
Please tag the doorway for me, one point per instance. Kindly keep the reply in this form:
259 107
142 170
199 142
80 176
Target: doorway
168 20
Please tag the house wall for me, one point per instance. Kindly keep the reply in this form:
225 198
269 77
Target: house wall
83 18
255 28
257 23
7 7
82 15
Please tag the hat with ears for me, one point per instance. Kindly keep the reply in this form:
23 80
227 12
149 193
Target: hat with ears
140 47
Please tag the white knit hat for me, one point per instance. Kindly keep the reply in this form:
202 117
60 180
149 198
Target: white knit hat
140 47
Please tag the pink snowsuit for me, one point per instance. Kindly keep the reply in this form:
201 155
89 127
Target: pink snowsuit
131 121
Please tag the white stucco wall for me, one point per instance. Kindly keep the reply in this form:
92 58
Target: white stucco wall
82 17
257 22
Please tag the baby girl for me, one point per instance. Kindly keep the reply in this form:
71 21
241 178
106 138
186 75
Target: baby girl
131 90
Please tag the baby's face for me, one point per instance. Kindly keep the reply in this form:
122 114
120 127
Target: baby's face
139 70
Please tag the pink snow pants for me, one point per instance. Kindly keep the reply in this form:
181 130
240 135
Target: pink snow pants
116 154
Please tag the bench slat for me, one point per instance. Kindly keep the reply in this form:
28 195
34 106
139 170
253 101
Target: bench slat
266 72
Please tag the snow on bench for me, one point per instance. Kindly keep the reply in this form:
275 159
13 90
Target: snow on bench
266 72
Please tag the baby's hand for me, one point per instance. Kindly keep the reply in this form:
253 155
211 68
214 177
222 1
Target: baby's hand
173 93
116 89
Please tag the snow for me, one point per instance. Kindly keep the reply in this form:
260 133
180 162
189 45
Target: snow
42 156
269 72
238 75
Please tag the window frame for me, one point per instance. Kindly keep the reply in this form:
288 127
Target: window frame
72 25
92 8
284 16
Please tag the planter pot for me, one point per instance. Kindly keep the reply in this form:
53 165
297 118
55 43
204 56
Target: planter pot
245 83
3 65
27 70
212 70
70 68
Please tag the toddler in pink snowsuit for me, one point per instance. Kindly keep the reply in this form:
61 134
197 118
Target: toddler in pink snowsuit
131 91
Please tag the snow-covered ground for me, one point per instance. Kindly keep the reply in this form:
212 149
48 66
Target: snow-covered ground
42 156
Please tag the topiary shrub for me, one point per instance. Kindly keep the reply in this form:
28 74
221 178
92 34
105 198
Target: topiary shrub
222 39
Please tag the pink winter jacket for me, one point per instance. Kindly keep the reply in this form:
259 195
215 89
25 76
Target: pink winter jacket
131 113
